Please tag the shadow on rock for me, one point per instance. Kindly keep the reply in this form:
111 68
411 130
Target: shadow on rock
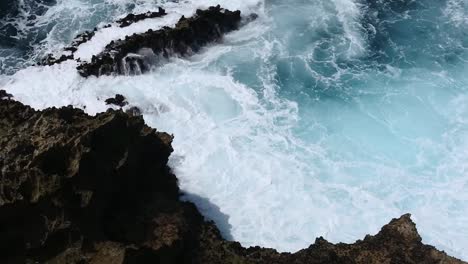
211 212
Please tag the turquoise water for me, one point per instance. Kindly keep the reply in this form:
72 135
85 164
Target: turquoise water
320 118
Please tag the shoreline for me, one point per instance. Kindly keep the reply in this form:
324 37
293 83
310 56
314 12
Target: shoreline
97 189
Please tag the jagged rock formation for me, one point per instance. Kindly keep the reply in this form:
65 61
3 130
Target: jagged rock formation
5 95
80 39
136 53
86 36
118 100
81 189
132 18
69 181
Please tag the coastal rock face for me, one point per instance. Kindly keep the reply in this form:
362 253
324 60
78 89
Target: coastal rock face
136 53
132 18
74 188
81 189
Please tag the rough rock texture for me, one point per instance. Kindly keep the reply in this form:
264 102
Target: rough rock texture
50 59
74 188
118 100
80 39
86 36
132 18
136 53
82 189
5 95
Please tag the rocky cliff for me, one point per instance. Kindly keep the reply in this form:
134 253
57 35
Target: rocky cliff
81 189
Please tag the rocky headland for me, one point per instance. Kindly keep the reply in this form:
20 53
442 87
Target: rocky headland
81 189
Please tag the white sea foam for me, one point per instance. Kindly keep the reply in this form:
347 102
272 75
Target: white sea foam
457 11
349 13
283 168
106 35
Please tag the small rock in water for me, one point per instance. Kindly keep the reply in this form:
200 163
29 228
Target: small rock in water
5 95
118 100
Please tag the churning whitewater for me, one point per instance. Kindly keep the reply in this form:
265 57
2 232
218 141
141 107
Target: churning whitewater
319 118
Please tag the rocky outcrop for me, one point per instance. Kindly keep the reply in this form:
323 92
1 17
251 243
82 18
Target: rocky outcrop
132 18
135 54
118 100
5 95
80 39
81 189
75 188
86 36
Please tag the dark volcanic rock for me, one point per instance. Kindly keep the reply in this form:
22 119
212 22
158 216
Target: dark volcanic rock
136 53
73 187
118 100
82 189
51 60
5 95
82 38
133 111
132 18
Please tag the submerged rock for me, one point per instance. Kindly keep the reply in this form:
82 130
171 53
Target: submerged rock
135 54
97 189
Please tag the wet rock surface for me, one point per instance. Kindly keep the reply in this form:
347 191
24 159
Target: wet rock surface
76 188
132 18
81 189
5 95
86 36
80 39
118 100
137 53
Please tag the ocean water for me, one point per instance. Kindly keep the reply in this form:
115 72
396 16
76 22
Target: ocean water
320 118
